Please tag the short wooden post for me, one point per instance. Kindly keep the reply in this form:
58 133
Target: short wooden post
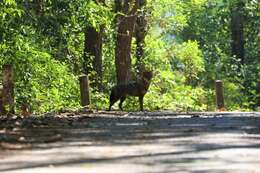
25 110
8 88
2 110
84 90
219 95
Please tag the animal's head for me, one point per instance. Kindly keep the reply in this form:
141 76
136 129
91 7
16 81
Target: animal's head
147 75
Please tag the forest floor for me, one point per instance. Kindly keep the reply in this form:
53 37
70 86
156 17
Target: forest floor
135 142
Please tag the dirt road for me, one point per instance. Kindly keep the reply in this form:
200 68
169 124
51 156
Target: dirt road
158 142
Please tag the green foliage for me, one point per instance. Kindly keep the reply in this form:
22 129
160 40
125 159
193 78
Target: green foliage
156 53
167 15
233 97
42 82
99 100
9 14
168 91
190 58
209 24
187 46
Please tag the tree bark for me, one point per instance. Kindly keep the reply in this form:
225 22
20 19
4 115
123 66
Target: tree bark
93 55
126 24
219 95
84 90
140 33
237 31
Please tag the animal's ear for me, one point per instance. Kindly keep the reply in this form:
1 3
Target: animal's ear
150 72
146 71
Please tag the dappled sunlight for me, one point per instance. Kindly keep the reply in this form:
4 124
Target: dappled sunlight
151 143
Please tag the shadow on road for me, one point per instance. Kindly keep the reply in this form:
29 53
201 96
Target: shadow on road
162 139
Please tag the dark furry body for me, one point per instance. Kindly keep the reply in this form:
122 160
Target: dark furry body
133 88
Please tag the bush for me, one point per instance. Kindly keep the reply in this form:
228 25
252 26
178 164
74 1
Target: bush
42 82
190 59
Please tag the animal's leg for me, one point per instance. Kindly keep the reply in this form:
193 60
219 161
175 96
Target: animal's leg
122 99
141 98
112 100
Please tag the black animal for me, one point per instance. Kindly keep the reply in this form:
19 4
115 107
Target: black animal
133 88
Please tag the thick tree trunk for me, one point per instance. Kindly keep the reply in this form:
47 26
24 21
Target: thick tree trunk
237 31
140 33
93 55
126 24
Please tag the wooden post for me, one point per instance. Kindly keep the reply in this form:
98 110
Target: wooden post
8 88
219 95
84 90
2 110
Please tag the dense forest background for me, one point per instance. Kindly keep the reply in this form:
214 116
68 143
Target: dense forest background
188 45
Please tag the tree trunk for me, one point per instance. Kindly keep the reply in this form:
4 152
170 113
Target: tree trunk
140 33
237 31
93 55
126 25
